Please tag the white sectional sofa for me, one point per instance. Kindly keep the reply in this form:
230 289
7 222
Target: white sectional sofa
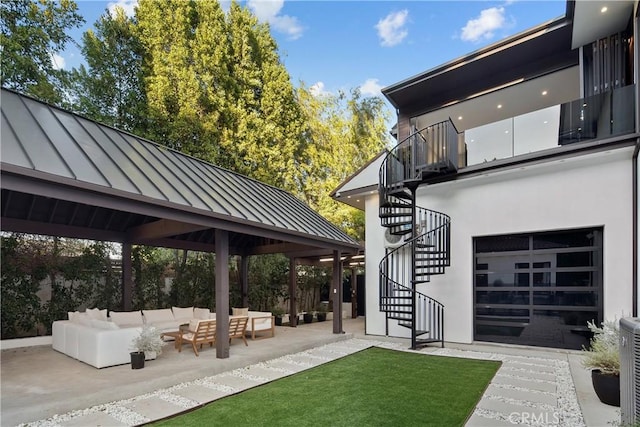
97 347
102 341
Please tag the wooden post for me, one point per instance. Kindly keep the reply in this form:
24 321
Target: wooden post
293 313
354 293
222 293
244 280
127 277
337 293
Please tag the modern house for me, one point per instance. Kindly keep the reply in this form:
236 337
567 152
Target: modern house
508 210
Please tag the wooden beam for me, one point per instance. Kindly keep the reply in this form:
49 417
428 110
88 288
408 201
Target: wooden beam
278 248
161 228
59 230
222 293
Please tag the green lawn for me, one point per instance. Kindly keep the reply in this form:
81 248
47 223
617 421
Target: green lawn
374 387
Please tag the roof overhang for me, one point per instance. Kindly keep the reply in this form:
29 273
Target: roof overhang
595 19
536 52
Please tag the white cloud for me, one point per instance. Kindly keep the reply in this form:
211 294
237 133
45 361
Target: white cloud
269 11
317 89
128 6
391 29
484 25
57 61
371 87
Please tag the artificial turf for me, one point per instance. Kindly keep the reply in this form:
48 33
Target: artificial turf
374 387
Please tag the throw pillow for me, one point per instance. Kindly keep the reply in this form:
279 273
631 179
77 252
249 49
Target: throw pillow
183 312
240 311
96 313
201 313
157 316
193 325
126 318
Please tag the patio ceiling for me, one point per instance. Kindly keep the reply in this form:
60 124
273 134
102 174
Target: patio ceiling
65 175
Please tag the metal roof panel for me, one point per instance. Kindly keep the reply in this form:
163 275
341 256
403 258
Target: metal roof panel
43 138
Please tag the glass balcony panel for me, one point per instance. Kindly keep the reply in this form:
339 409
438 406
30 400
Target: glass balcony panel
536 131
596 117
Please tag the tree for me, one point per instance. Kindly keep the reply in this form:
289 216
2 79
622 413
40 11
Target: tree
30 34
342 134
111 88
265 132
186 74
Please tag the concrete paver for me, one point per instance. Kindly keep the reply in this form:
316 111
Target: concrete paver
198 393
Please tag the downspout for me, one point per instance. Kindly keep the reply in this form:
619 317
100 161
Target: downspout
634 210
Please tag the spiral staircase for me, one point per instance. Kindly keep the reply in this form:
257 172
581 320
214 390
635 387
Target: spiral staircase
423 235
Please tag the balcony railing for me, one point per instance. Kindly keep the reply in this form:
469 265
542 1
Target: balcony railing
596 117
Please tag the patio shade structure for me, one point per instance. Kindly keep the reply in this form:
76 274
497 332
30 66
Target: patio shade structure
68 176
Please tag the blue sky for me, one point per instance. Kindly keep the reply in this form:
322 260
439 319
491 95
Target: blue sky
340 45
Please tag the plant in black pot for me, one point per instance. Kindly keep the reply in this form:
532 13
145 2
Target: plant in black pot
308 317
278 313
603 358
147 345
321 313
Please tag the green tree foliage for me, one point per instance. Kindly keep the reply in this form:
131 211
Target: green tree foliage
43 278
217 89
194 282
264 135
110 89
186 74
268 281
150 266
30 33
342 133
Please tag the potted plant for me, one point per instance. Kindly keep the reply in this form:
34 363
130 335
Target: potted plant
321 313
308 316
603 358
278 313
147 346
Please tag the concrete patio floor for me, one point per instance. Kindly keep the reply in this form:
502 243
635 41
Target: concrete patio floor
37 382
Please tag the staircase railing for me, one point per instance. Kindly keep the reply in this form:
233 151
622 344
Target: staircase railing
426 248
431 149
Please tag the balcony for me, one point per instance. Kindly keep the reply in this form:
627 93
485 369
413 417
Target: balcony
596 117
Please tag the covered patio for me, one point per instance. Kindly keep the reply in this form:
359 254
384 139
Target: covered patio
64 175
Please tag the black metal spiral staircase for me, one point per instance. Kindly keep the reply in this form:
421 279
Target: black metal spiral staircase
423 235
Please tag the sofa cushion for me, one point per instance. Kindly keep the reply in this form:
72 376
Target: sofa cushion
201 313
96 313
126 318
157 316
182 312
240 311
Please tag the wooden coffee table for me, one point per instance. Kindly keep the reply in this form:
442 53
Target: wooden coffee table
176 335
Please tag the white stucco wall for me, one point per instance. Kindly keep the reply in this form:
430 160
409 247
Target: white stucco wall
584 191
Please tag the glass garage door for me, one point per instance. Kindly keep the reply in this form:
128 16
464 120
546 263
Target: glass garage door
538 289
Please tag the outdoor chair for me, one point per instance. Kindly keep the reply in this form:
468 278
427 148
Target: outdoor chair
204 332
237 328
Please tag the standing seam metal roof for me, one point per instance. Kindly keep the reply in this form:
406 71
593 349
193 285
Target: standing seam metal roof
44 138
